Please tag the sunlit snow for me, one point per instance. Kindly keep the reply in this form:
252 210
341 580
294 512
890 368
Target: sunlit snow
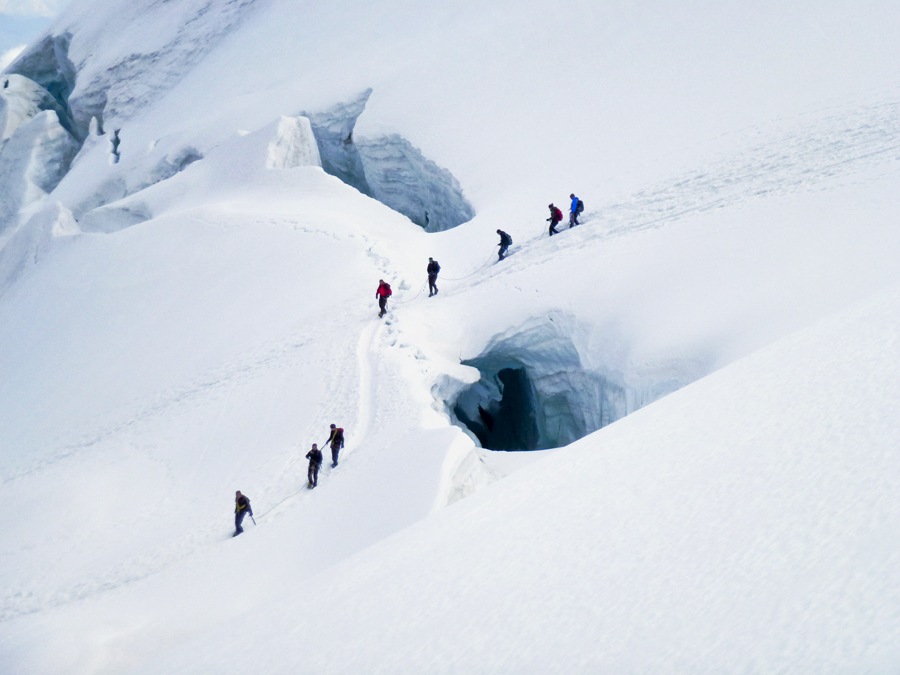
662 441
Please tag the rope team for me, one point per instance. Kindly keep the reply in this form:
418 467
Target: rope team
336 438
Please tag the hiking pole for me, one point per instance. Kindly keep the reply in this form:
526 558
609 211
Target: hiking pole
251 518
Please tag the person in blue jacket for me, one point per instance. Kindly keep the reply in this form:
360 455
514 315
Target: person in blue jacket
574 211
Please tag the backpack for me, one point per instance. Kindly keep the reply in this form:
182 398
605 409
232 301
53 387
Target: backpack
579 207
557 214
338 436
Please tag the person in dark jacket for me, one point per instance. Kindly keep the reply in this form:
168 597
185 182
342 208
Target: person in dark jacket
315 461
336 440
505 243
383 293
555 217
432 269
241 509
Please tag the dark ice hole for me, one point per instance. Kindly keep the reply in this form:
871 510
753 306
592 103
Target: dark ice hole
505 423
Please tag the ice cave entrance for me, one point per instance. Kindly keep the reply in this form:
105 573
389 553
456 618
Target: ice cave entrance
535 391
500 411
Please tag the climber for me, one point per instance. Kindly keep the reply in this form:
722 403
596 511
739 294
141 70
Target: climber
315 461
555 217
505 243
241 509
383 293
432 269
336 439
574 210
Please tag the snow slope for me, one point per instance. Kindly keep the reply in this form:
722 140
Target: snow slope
743 524
186 303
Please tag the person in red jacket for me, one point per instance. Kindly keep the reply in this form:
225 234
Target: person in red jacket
555 217
383 293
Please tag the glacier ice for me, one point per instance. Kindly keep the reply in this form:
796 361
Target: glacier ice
333 129
388 168
401 177
292 145
541 387
32 162
47 64
20 100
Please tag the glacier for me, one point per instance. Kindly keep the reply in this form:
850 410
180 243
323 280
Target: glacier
198 202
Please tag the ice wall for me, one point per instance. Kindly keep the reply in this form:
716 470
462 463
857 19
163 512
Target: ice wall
388 168
540 388
401 177
47 64
32 162
333 129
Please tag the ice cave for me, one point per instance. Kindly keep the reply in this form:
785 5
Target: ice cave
544 386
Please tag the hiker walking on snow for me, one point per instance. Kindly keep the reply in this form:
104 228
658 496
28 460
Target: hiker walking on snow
505 242
315 461
383 293
432 269
555 217
336 440
574 210
241 509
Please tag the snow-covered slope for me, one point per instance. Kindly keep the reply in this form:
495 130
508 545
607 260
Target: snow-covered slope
744 523
198 202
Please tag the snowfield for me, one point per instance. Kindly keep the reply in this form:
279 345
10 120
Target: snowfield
197 201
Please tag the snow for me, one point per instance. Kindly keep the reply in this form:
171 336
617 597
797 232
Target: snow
189 250
744 522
